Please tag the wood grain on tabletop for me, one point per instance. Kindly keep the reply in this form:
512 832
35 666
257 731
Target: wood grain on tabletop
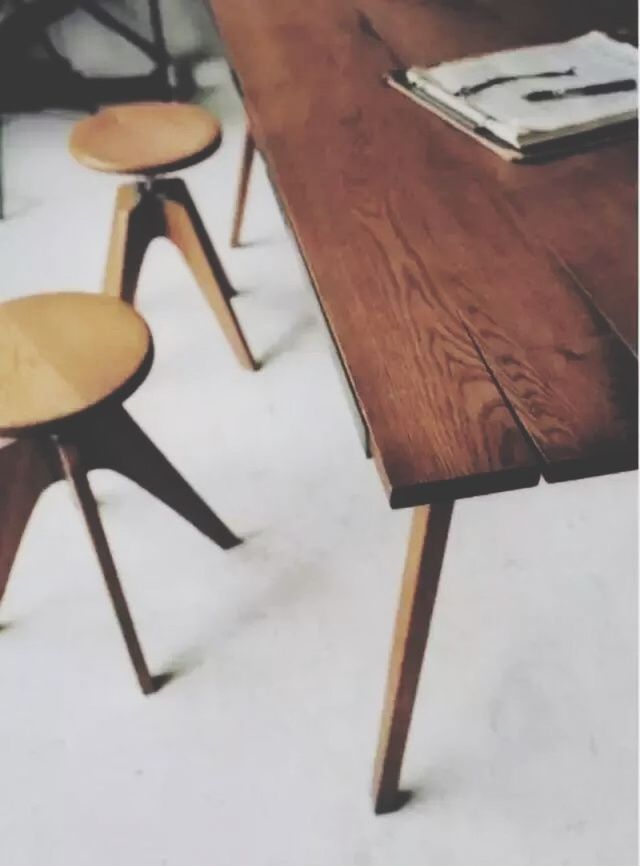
476 304
591 225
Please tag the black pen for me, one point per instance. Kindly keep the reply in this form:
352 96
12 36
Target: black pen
470 90
588 90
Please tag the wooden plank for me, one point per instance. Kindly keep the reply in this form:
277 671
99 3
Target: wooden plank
569 247
570 380
436 417
600 251
592 224
422 261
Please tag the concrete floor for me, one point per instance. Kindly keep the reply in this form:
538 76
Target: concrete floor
258 753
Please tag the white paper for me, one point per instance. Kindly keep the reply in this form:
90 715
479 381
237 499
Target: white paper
596 58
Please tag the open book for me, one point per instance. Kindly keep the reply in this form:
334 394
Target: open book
490 96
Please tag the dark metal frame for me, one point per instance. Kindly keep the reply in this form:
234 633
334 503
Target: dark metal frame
155 49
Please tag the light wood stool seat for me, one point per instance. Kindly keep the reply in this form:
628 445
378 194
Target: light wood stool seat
64 353
145 138
150 139
67 362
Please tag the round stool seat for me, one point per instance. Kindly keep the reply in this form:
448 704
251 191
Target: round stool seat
145 137
62 354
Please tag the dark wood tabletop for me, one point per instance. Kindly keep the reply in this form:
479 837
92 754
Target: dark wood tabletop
485 312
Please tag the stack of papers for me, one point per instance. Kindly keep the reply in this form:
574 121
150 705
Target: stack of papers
472 94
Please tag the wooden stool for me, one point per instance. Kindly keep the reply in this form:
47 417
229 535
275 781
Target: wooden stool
148 140
67 362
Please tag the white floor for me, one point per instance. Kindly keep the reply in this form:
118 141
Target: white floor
259 752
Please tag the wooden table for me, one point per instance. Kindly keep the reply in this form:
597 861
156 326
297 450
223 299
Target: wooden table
484 312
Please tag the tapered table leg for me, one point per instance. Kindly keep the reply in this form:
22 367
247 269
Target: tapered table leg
248 153
425 554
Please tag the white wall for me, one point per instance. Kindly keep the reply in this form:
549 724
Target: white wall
188 27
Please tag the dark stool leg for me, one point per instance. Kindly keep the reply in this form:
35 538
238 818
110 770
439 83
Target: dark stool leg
77 477
26 470
112 440
184 227
248 153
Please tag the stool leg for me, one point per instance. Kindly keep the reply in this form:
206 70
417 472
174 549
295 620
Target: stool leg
26 470
248 153
76 475
184 227
136 222
114 441
198 250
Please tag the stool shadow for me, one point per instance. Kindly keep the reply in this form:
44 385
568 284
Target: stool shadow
288 340
260 241
161 680
401 799
183 664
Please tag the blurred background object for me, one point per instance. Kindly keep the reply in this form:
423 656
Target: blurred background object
85 53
